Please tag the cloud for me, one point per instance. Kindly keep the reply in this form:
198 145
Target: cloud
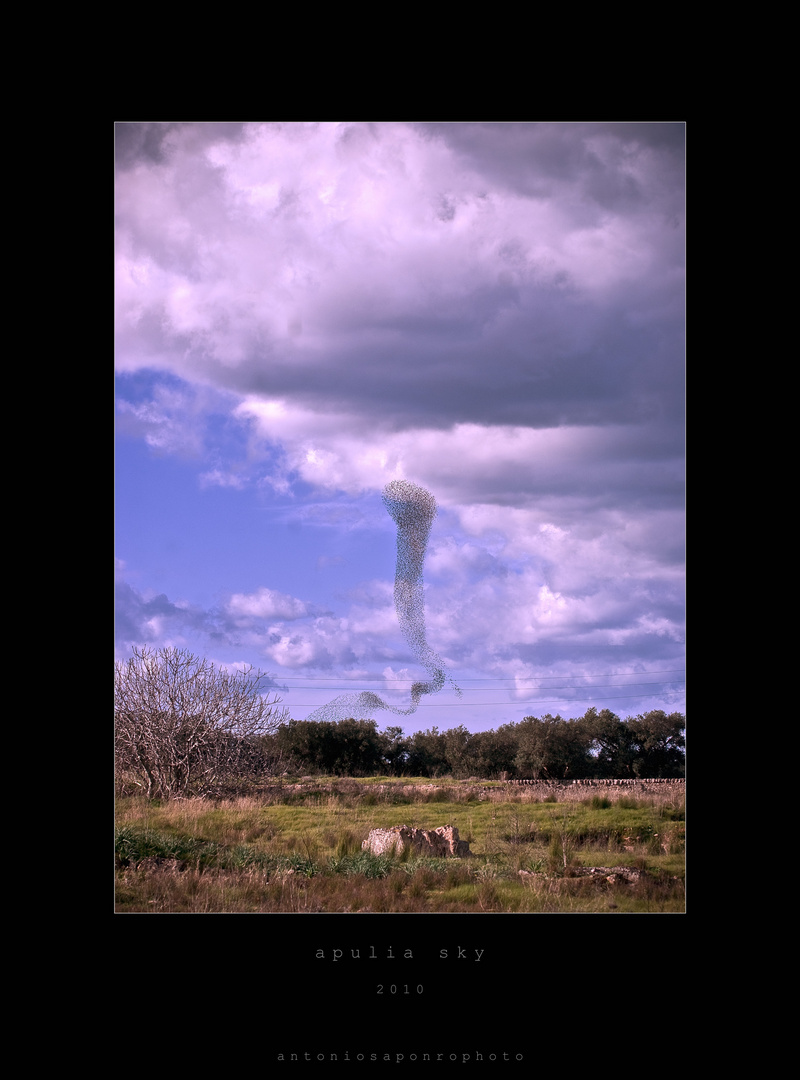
266 604
492 311
384 270
144 619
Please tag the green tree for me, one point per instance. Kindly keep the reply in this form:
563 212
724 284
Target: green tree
552 748
494 752
342 748
395 751
658 740
427 753
611 744
458 752
651 744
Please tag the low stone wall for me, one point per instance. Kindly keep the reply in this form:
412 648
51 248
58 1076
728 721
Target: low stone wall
442 842
596 783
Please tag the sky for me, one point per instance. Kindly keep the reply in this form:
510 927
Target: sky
492 312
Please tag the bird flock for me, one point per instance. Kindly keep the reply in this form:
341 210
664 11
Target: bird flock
412 509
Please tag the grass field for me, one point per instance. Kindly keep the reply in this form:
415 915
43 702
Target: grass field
296 847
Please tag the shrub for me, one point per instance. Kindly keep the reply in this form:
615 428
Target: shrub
182 724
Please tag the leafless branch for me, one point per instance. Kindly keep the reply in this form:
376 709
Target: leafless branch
183 724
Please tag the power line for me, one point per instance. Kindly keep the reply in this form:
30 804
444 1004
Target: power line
505 704
494 689
402 683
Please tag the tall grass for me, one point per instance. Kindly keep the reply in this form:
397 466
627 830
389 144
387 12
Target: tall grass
297 847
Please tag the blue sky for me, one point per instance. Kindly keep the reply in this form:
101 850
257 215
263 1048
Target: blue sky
494 312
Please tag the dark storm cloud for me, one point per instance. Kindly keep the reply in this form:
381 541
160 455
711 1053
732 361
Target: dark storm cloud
565 364
148 142
569 312
596 159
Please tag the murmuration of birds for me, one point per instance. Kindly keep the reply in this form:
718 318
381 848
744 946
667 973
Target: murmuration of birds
412 509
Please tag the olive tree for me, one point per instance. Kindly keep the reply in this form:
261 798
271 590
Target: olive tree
182 724
552 748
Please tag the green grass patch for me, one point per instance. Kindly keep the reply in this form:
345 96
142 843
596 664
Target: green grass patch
275 852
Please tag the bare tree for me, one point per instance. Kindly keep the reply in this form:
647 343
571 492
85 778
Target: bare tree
182 724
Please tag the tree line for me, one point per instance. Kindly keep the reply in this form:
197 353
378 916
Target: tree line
598 745
184 726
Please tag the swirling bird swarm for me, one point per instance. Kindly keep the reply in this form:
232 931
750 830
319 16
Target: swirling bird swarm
413 509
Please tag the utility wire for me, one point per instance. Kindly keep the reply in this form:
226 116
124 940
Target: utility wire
505 704
494 689
404 684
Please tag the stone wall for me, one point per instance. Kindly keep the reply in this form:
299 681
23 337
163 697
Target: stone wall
596 783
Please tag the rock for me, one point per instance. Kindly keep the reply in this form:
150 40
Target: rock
442 842
612 874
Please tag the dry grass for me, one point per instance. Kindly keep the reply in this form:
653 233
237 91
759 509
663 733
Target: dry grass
297 848
167 889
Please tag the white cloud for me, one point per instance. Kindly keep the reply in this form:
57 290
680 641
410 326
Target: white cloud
266 604
220 478
293 652
492 311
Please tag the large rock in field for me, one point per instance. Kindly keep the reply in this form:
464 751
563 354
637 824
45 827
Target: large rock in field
442 842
